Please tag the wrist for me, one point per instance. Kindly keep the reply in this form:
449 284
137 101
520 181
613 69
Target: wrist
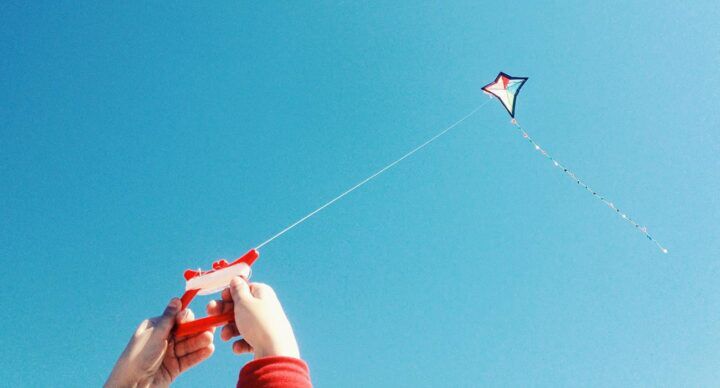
126 373
280 348
121 376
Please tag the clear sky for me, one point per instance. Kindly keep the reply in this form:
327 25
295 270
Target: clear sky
142 139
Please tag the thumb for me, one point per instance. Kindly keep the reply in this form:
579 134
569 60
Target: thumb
240 291
166 321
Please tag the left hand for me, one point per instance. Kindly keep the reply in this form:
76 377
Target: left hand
153 358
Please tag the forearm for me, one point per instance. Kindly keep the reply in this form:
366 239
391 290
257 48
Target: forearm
120 378
124 375
124 382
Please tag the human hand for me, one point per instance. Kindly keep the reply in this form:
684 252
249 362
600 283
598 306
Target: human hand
259 318
153 358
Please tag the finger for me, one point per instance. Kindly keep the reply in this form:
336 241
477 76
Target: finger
241 346
261 290
214 307
185 316
189 360
226 295
228 306
166 321
228 331
217 307
239 290
192 344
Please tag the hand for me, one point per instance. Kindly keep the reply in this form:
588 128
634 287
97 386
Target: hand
153 358
259 318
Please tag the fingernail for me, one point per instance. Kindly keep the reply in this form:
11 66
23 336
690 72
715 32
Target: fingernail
174 304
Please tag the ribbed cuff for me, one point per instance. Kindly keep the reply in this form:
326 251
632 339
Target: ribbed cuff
275 372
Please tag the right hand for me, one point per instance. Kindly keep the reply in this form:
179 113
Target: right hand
259 319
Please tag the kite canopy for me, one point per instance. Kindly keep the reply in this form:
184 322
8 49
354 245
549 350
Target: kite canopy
506 88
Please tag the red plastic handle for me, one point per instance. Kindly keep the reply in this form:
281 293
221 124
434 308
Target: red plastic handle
187 298
202 324
199 325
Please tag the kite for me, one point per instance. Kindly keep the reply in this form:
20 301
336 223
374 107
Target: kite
505 88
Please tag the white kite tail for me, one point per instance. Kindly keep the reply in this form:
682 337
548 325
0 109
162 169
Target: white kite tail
571 175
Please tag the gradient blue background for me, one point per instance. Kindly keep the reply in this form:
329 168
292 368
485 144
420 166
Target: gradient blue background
139 140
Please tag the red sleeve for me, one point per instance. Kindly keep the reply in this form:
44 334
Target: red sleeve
275 372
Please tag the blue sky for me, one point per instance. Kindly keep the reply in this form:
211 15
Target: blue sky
140 139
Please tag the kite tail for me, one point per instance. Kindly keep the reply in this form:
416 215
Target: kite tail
571 175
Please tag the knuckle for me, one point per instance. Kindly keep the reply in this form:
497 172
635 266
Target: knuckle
262 291
141 328
263 287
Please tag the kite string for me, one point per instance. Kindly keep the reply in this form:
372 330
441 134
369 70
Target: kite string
371 177
569 173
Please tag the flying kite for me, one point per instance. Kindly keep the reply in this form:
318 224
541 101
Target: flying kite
505 88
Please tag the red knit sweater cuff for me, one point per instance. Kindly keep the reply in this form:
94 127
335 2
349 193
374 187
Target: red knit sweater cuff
275 372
